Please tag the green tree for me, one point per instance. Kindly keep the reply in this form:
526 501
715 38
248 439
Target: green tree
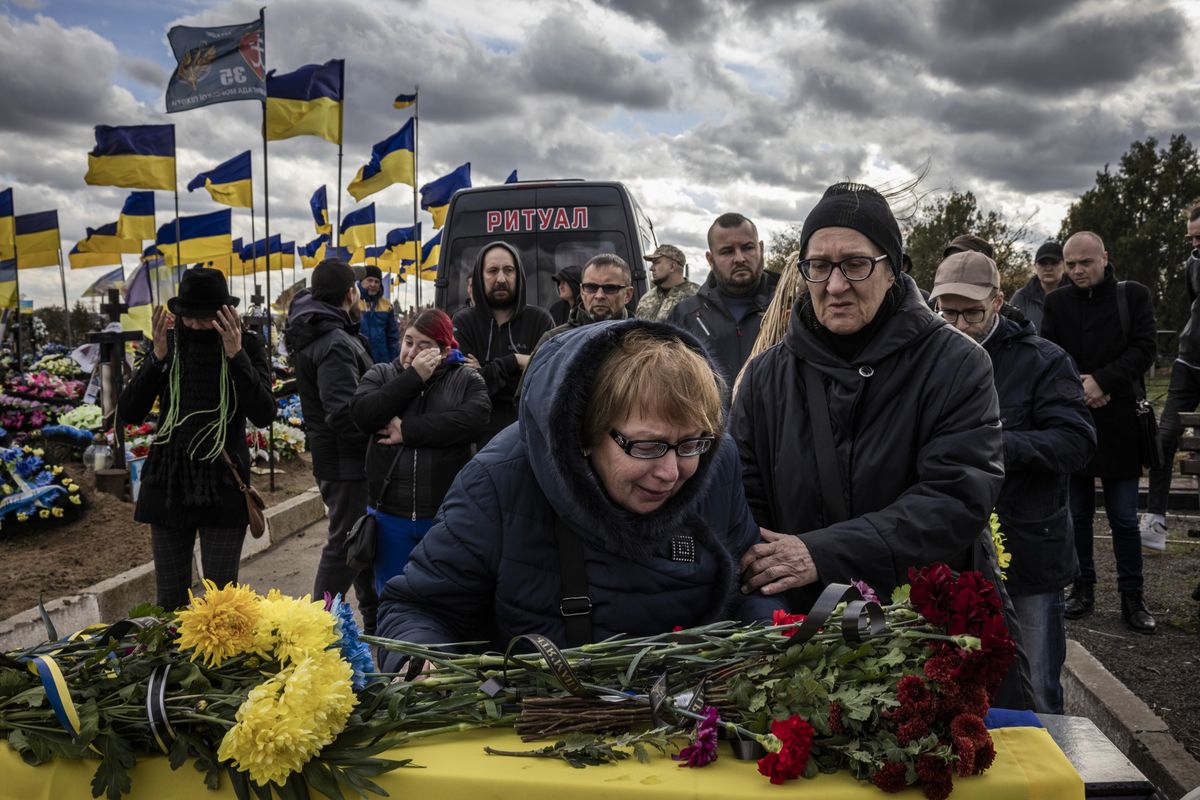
781 245
1140 211
948 216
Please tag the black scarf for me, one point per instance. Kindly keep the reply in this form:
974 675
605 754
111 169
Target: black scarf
185 479
848 346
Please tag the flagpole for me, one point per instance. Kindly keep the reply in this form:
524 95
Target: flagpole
178 244
253 251
17 285
262 18
416 205
63 278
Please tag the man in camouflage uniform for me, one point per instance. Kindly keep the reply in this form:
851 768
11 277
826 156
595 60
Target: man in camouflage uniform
670 286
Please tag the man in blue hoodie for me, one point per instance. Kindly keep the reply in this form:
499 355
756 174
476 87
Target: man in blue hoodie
377 318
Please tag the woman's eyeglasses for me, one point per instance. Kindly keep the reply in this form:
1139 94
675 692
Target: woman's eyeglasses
649 448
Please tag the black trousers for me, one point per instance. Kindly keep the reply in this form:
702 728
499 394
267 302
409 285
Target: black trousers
220 555
347 501
1183 395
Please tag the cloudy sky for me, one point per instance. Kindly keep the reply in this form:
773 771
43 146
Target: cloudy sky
701 107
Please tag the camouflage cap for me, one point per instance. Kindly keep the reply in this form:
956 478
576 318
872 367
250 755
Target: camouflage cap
668 251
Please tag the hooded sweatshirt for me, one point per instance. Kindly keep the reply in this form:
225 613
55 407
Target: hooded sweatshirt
497 346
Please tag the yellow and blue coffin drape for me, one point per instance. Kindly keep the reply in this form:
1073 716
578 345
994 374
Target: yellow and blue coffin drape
358 227
133 156
307 102
431 251
404 100
137 217
313 253
319 203
107 239
201 237
8 226
405 241
435 195
391 162
38 240
8 283
228 183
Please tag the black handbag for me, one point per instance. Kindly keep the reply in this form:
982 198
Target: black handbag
1149 446
363 536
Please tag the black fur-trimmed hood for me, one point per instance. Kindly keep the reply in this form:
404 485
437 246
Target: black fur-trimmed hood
557 386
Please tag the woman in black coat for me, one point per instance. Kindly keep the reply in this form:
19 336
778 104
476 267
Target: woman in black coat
429 408
208 376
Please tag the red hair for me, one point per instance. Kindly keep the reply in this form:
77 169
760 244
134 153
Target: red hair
437 326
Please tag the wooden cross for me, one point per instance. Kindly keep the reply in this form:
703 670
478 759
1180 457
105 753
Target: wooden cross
114 308
112 350
257 298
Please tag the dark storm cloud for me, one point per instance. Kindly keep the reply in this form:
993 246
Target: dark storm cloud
563 57
145 71
683 20
972 18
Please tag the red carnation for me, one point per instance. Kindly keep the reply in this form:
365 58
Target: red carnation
795 736
914 696
929 592
781 617
835 719
891 777
935 777
912 730
942 667
984 756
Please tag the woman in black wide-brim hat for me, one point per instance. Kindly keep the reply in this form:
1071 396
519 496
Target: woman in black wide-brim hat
209 376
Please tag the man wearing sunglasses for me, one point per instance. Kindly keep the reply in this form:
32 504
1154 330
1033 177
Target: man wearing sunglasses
1048 434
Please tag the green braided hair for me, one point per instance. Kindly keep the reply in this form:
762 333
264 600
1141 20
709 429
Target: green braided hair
216 429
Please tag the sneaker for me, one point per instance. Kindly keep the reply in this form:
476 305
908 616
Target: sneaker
1153 528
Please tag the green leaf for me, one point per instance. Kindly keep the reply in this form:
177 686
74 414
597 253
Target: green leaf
112 776
900 594
323 779
33 697
640 753
89 721
239 782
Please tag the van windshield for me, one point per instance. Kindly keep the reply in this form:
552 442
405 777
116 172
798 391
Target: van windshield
542 255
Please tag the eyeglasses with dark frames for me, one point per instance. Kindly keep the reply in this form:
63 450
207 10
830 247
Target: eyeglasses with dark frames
971 315
855 268
650 448
606 288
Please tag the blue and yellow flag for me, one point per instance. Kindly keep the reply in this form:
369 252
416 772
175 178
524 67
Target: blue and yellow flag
319 203
512 177
404 100
405 241
256 255
431 251
201 237
137 217
229 264
358 227
8 228
8 283
228 183
381 257
82 259
391 162
287 255
133 156
339 253
38 241
106 239
109 280
435 195
313 253
216 65
307 102
139 298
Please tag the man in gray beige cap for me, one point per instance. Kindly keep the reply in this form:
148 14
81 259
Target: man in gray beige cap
670 285
1047 434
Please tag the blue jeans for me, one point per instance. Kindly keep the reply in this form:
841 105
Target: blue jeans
397 536
1044 637
1120 505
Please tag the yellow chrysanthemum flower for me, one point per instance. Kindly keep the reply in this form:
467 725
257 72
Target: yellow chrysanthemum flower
220 624
290 717
6 488
72 488
291 628
1003 557
44 513
56 511
22 516
75 499
56 471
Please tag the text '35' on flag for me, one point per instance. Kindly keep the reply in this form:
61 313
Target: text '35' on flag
228 182
391 162
133 156
216 65
307 102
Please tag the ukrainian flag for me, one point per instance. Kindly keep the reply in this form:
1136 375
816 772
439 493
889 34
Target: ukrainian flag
201 237
358 227
307 102
106 239
339 253
228 183
255 256
134 156
229 264
38 240
391 162
404 100
313 253
431 251
435 196
82 259
109 280
138 297
8 283
137 217
287 256
512 177
8 229
405 241
381 257
319 203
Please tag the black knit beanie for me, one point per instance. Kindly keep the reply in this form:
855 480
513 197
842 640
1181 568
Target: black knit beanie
856 206
331 280
372 271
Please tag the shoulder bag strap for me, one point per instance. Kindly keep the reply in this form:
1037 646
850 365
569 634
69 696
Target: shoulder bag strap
1139 390
575 604
387 479
828 471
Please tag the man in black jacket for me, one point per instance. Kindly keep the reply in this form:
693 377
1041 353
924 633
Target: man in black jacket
1086 320
329 358
1183 395
499 333
1048 275
1048 435
726 312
